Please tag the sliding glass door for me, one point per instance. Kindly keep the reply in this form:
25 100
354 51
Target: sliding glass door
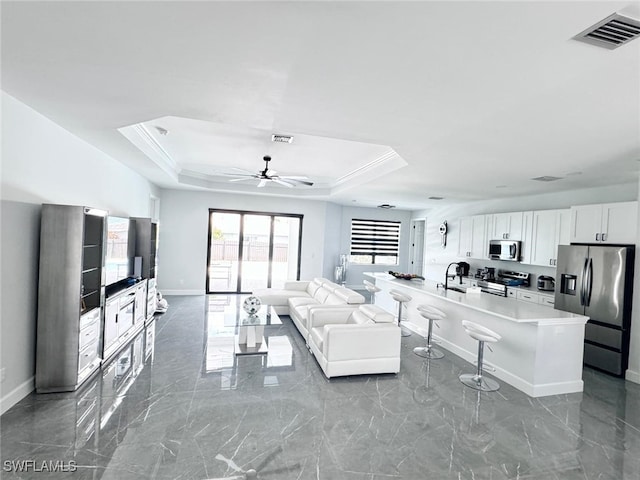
251 250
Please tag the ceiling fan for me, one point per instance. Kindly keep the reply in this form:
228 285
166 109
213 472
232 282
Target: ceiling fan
268 175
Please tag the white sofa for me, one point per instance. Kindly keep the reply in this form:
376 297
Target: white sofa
348 341
278 298
297 297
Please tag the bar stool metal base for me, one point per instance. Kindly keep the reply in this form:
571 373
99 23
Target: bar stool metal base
479 382
428 352
404 331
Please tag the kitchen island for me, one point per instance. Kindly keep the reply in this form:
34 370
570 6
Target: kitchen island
541 348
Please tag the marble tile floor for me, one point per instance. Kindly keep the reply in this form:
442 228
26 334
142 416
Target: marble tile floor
190 409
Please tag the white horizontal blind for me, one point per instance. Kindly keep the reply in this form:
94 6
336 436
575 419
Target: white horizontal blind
375 238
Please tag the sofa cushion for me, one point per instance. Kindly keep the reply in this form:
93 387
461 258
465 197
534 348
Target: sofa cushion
377 314
276 296
313 287
329 285
321 294
334 299
348 296
358 317
296 302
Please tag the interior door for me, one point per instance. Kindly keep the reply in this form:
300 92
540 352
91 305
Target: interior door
417 246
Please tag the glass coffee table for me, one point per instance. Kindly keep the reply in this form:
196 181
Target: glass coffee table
250 337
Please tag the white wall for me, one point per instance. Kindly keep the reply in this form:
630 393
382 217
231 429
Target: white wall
326 233
43 163
332 239
184 218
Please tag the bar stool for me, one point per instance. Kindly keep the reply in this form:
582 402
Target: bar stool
482 335
431 314
372 289
401 298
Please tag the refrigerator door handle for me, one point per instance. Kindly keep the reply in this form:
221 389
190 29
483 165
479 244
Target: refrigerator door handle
583 289
589 283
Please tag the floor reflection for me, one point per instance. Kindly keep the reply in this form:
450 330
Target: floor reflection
163 410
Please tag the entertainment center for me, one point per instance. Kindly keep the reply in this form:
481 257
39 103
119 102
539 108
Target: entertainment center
96 290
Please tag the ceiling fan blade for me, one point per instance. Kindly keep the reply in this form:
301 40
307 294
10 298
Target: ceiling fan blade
296 181
295 177
270 173
241 170
262 183
282 182
247 177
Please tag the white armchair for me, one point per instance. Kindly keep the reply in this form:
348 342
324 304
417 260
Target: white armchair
348 341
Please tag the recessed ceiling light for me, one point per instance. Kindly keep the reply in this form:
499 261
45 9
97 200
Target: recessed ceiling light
436 198
281 138
386 205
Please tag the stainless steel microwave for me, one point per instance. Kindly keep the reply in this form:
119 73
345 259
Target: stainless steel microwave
505 250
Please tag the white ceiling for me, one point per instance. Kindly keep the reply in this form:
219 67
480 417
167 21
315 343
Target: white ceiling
400 100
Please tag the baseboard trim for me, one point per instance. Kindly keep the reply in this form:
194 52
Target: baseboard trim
14 396
182 292
632 376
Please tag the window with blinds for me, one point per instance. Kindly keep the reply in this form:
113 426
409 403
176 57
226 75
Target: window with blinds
374 242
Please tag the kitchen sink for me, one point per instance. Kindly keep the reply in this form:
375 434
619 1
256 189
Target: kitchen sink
458 289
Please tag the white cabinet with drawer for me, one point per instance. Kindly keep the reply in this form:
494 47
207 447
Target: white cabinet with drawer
527 296
530 296
548 300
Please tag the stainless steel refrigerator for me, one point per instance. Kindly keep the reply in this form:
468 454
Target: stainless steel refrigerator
597 281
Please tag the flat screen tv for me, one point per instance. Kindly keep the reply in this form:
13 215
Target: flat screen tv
118 252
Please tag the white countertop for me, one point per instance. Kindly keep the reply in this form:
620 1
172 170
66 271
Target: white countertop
503 307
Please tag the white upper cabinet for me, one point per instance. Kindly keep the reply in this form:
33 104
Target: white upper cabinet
550 229
507 226
605 223
473 240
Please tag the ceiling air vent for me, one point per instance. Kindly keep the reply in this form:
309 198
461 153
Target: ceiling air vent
612 32
546 178
386 205
282 138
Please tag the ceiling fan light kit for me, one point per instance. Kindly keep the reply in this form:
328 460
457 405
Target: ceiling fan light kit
267 175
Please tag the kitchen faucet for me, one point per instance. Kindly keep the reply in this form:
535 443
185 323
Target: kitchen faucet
446 274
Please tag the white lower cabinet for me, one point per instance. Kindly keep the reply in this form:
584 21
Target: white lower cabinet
526 296
548 300
531 296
